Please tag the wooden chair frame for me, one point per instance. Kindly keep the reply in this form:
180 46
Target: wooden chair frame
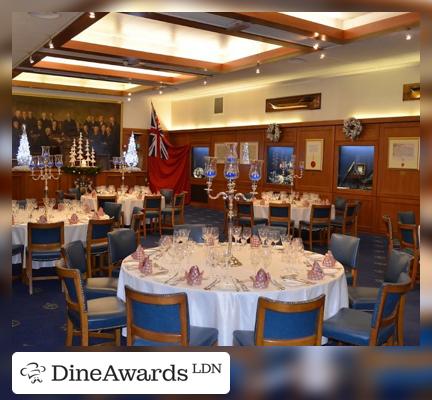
265 304
33 247
414 246
159 299
346 219
114 265
321 221
281 219
389 232
180 208
79 307
395 317
145 209
91 259
107 197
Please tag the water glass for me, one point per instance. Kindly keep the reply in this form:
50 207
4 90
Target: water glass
263 234
247 233
236 232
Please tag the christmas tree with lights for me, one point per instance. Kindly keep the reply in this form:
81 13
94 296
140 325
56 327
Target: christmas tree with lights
131 157
23 155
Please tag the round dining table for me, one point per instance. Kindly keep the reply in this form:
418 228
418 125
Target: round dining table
127 200
226 298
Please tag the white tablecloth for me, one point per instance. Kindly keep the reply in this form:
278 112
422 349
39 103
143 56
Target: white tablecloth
128 202
298 212
223 307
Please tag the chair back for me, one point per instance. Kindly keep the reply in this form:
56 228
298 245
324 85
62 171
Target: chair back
281 323
195 231
345 249
389 228
398 262
75 192
386 310
157 317
113 210
74 290
152 203
179 201
45 237
169 196
245 210
408 236
121 243
137 218
97 231
406 217
59 196
75 256
340 204
280 213
102 199
22 203
320 214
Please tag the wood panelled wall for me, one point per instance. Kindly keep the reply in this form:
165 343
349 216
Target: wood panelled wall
393 190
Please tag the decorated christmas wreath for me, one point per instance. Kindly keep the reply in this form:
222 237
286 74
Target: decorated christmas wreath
352 128
273 132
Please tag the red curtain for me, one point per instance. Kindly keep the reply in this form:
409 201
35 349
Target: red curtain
172 173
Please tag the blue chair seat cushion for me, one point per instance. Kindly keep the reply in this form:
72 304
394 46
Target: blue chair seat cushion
46 255
169 210
100 287
408 251
338 221
103 313
151 214
284 224
353 327
362 297
198 336
99 249
244 338
315 226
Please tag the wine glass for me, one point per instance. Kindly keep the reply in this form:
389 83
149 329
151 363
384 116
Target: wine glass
263 234
206 234
274 237
214 232
247 233
236 232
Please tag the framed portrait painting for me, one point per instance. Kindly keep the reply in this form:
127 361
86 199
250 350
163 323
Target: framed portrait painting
404 153
314 154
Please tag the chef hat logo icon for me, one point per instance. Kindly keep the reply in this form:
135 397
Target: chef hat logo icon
32 371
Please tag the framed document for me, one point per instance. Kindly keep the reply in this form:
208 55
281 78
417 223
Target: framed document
404 153
314 154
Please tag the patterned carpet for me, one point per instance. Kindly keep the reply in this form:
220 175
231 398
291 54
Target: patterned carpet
39 321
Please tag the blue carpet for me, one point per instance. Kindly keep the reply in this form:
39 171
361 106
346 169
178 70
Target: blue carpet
39 320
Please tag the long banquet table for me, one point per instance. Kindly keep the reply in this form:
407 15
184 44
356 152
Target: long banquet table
225 308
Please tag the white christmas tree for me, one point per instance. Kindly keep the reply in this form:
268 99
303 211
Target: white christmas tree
72 154
23 155
245 155
80 150
87 149
131 157
93 158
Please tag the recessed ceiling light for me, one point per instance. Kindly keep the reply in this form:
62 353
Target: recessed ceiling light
31 61
323 38
129 94
45 15
160 91
128 99
258 70
316 34
316 46
408 36
51 44
205 81
92 15
322 56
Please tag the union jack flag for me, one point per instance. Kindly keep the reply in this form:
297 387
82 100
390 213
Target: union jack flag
157 145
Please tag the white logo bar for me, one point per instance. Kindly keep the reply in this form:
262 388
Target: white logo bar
121 373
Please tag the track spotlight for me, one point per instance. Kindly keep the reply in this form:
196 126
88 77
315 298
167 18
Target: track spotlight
258 70
92 15
51 44
31 60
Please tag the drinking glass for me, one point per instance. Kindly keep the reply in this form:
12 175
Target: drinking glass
214 232
247 232
206 234
263 234
274 237
236 232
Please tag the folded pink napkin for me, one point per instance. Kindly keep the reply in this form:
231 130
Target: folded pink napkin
329 261
305 203
60 207
145 266
139 253
316 273
101 212
93 193
261 280
194 276
130 191
42 219
95 215
73 219
255 241
86 208
140 196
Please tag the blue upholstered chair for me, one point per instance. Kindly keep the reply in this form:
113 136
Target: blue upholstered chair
97 243
245 214
102 199
75 258
76 192
121 243
17 249
339 204
280 323
137 221
163 320
345 250
114 211
320 217
195 231
176 210
361 328
88 317
280 215
44 243
409 244
169 196
152 210
406 217
346 220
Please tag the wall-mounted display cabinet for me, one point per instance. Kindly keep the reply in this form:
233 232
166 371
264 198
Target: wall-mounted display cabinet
278 158
356 167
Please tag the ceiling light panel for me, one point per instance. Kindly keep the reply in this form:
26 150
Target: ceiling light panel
69 81
142 34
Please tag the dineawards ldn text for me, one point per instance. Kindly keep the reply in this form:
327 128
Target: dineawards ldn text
113 374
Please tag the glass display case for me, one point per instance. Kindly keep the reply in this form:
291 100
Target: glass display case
198 161
356 167
278 158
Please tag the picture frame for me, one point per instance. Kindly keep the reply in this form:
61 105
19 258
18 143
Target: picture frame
404 153
248 152
220 151
314 154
